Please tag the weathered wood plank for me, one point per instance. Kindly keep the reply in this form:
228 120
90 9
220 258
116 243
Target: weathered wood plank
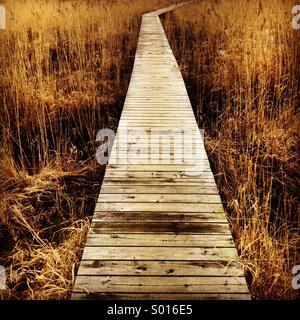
160 296
154 160
158 168
163 118
162 189
162 174
170 143
162 207
160 268
162 254
158 239
155 284
135 153
163 227
158 198
159 217
151 150
163 182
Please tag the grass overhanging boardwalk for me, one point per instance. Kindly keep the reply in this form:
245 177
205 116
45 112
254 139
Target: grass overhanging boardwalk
159 230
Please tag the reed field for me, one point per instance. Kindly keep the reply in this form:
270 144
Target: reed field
65 70
241 65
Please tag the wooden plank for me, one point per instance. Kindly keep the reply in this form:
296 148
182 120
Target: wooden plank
158 177
147 139
164 92
151 111
155 124
159 168
151 99
148 151
163 119
159 139
152 116
158 198
162 189
161 132
148 125
171 105
153 160
154 109
162 182
164 227
193 132
172 123
152 153
158 217
163 253
145 150
162 207
168 174
160 284
165 82
171 144
166 144
157 239
160 296
160 268
142 135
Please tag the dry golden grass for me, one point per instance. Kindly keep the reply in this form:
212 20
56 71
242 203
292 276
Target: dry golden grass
65 68
241 63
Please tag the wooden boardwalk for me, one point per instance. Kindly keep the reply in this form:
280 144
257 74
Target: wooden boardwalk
159 230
